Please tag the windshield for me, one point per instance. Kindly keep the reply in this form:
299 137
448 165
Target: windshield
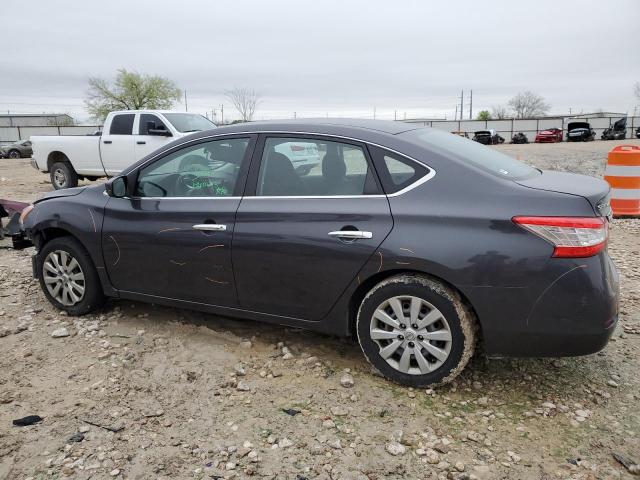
189 122
470 152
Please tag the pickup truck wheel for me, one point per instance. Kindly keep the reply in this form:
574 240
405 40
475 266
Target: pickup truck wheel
68 278
63 176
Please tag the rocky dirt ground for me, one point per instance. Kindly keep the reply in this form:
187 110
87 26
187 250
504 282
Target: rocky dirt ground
139 391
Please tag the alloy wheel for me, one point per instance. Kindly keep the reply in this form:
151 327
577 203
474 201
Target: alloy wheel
412 335
63 277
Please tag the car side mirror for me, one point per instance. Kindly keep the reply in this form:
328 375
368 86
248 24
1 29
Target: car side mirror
160 130
117 187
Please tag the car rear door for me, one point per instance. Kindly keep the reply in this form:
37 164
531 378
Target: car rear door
301 238
116 145
172 237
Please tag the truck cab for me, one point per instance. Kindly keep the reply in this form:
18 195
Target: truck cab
127 136
130 135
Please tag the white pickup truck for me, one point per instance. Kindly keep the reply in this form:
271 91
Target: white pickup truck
127 136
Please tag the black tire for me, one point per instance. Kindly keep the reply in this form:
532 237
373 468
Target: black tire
14 154
63 175
460 320
93 296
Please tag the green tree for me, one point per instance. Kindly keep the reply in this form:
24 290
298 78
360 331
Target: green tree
130 91
484 115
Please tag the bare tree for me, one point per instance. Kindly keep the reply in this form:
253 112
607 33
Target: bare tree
245 100
528 104
499 112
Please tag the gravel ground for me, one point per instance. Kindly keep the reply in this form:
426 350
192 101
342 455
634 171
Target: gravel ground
141 391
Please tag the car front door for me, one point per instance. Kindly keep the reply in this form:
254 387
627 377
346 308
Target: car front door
172 237
302 236
116 145
145 143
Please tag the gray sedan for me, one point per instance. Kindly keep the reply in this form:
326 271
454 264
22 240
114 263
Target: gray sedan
418 243
21 149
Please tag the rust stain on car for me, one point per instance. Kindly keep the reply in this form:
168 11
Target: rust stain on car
210 246
118 247
93 220
171 229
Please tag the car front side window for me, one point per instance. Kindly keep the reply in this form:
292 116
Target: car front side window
294 167
209 169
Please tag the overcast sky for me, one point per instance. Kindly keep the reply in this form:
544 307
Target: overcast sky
336 58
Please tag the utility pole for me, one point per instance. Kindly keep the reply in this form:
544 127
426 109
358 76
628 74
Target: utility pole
395 115
461 103
471 105
186 107
294 114
222 113
374 112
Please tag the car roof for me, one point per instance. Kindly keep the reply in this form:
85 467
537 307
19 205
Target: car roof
314 124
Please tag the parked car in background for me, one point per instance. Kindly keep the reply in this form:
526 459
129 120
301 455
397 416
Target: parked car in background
618 131
519 138
515 256
580 132
21 149
127 136
638 132
487 137
550 135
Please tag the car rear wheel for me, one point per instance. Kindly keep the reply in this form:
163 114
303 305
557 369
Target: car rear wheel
14 154
68 278
63 176
416 331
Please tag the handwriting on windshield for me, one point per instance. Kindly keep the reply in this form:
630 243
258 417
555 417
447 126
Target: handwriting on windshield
220 190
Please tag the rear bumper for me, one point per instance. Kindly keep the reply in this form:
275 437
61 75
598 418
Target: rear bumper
575 314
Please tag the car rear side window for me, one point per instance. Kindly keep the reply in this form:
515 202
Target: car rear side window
472 153
122 124
301 167
396 172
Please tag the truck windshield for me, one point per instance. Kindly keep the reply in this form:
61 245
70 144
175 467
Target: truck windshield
467 151
189 122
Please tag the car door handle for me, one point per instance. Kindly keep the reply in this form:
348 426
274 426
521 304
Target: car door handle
141 142
210 227
351 234
107 141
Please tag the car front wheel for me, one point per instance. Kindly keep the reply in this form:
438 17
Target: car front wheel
416 331
68 278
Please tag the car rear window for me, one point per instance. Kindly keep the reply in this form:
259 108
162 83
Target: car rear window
472 153
122 124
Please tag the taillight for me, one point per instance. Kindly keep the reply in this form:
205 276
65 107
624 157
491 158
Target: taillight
570 236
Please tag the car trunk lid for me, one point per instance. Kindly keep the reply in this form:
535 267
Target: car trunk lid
594 190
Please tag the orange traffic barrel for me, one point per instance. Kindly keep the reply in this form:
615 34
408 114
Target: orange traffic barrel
623 174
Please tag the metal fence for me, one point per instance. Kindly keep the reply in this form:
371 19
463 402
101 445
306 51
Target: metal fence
14 134
508 128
